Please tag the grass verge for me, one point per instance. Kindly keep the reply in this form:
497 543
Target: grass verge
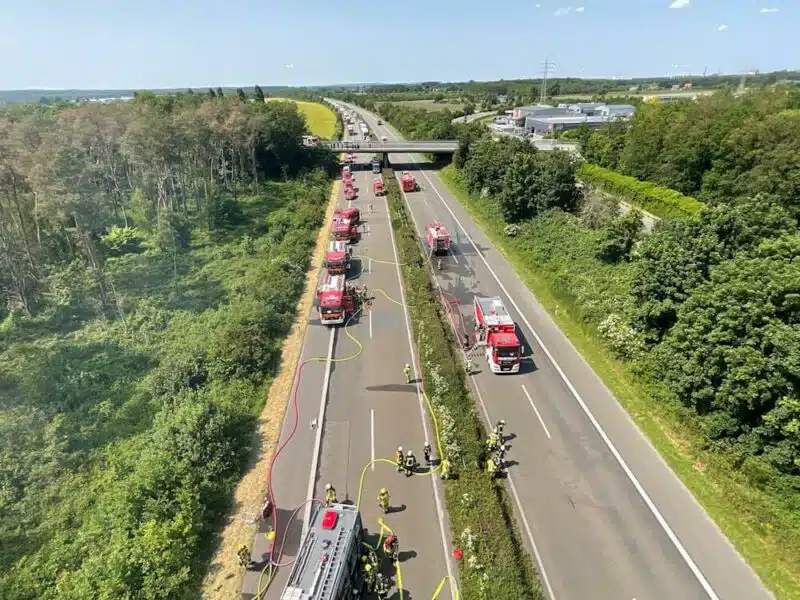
494 565
224 578
763 529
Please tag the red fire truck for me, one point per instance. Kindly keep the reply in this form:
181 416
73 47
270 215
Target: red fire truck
349 190
337 257
409 183
377 186
344 230
438 238
336 300
351 213
327 567
497 333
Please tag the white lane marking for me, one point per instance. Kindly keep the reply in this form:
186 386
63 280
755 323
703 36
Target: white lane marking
518 502
370 265
323 403
536 410
598 428
439 510
372 434
370 324
452 254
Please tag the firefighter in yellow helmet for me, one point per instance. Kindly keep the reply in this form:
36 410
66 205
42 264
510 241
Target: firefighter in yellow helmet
407 372
330 494
399 459
383 500
243 552
444 469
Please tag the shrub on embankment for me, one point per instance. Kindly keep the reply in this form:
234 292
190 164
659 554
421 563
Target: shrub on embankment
494 564
660 201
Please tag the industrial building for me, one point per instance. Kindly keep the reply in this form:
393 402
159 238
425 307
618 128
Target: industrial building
549 125
542 119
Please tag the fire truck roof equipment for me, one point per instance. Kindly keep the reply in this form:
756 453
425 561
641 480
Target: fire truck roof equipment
494 312
327 555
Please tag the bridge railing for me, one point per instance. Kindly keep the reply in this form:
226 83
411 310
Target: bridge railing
420 146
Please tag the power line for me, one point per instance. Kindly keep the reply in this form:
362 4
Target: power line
547 66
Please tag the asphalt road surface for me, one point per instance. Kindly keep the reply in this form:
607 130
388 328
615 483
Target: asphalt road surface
600 511
367 412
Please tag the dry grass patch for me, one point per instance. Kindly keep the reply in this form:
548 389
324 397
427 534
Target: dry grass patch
224 579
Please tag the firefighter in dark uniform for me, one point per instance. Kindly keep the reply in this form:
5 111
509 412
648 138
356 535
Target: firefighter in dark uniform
410 463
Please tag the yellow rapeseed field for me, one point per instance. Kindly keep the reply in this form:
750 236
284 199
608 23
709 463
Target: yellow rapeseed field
321 119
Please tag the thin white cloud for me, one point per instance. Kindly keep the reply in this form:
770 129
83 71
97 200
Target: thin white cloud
768 10
289 66
679 4
722 28
563 12
579 9
538 6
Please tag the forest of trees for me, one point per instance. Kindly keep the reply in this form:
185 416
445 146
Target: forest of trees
151 256
714 149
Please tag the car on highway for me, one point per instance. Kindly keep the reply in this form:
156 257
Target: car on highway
384 139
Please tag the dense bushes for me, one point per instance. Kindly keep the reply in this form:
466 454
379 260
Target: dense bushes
494 564
660 201
524 181
715 149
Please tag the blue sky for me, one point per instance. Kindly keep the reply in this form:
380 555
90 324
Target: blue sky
180 43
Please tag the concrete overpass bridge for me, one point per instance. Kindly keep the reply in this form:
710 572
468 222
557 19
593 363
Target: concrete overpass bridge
392 147
426 146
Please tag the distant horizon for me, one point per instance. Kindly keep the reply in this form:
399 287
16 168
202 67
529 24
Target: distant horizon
381 83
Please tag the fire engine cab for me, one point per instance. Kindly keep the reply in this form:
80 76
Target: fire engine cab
497 333
438 238
351 213
337 257
336 300
377 186
344 230
408 182
326 568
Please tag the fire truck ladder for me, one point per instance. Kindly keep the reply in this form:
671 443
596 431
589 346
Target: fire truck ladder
332 567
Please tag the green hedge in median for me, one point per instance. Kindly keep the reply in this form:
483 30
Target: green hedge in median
494 564
660 201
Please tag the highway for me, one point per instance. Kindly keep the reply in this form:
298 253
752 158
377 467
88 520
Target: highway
599 510
363 410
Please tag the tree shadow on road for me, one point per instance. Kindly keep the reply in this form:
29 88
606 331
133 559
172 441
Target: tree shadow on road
393 387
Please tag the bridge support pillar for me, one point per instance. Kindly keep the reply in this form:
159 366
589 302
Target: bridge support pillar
385 160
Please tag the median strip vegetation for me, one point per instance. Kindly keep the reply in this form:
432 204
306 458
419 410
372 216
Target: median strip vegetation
660 201
494 565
